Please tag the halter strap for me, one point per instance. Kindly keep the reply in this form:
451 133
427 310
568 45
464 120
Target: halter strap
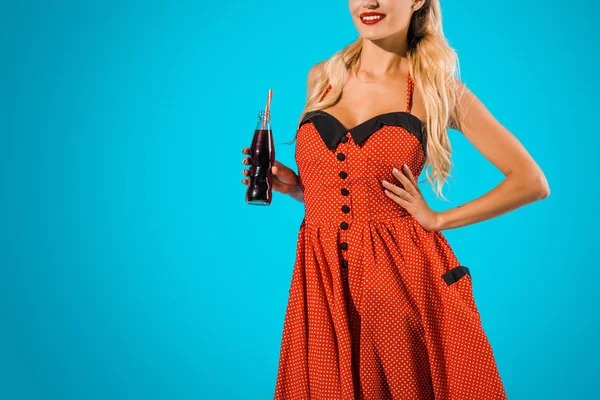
409 91
326 91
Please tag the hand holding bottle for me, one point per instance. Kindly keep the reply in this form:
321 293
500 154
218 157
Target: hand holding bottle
284 179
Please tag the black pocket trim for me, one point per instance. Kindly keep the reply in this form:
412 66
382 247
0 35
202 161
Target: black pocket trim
455 274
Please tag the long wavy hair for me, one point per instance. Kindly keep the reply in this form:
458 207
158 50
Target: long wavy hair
435 71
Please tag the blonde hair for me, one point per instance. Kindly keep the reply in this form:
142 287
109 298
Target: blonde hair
434 69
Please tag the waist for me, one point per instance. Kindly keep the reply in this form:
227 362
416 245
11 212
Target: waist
349 202
346 221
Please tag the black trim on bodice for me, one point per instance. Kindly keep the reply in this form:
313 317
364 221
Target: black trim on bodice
332 130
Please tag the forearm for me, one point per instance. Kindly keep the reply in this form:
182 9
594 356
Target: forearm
297 193
513 192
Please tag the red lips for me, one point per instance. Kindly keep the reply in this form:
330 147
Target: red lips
373 20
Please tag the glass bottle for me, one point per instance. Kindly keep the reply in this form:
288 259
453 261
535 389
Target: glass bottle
262 153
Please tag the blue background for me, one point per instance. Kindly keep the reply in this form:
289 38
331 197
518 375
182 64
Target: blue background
127 252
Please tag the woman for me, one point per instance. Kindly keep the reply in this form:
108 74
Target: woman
380 307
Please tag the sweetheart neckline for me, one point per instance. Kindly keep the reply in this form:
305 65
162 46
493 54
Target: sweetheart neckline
370 119
331 130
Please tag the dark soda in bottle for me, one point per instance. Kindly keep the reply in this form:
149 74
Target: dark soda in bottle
262 153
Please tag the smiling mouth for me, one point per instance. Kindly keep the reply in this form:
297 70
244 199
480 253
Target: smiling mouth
370 19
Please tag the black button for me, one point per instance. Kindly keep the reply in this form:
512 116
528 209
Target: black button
342 174
345 264
344 246
345 279
345 191
345 209
341 156
344 139
344 225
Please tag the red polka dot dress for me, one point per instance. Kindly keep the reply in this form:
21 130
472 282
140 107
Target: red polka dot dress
378 308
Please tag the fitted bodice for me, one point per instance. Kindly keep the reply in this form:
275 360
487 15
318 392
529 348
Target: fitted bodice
341 170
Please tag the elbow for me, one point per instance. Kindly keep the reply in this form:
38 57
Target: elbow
540 186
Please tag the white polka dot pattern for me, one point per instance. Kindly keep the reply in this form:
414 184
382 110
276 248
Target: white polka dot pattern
369 314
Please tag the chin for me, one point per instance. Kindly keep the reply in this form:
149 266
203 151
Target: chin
372 36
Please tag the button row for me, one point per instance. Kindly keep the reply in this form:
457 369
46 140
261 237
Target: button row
345 208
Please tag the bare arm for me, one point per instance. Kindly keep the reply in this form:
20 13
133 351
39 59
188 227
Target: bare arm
297 193
313 74
524 180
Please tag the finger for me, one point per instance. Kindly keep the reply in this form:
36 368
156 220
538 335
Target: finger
246 150
409 174
396 190
247 161
408 185
245 181
398 200
245 171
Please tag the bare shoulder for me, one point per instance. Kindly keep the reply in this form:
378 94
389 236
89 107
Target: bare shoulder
313 74
315 71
